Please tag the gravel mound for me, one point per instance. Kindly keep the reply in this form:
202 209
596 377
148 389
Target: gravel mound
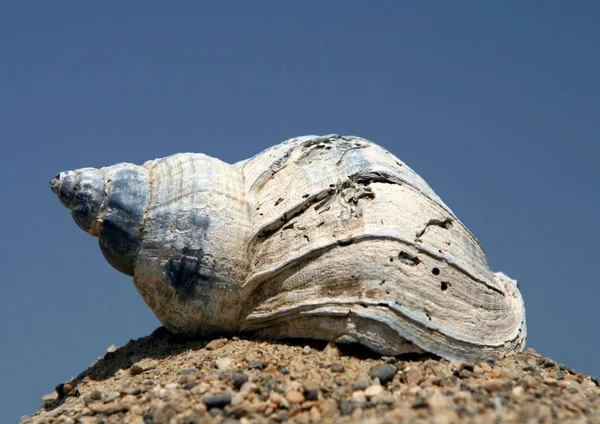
162 379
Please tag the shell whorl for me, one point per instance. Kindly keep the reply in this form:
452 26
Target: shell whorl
108 203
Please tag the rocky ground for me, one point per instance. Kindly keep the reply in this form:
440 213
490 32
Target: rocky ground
162 379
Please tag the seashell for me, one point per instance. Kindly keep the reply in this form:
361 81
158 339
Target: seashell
326 237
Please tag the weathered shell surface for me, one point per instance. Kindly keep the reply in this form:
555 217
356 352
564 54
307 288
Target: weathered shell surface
326 237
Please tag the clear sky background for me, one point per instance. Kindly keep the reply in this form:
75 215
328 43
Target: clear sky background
495 104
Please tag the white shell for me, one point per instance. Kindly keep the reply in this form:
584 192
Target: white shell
326 237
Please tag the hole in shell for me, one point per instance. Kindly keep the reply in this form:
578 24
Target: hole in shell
444 286
435 271
407 259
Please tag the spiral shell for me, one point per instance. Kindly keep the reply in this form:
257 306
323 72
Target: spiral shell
326 237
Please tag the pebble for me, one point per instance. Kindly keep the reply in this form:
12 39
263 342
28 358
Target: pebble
337 367
373 390
494 386
256 365
315 415
384 398
360 384
384 372
359 398
136 369
96 395
223 363
112 396
217 401
413 376
67 388
345 406
216 344
439 401
50 397
518 392
278 400
419 404
306 350
239 379
332 350
294 396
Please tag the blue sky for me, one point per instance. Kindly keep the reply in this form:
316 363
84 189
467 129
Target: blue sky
495 104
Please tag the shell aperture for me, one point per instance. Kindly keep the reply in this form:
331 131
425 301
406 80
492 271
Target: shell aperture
327 237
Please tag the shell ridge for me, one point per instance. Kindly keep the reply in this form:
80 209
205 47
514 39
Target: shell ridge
259 277
345 309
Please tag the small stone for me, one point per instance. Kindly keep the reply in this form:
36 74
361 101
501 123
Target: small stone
467 366
518 392
311 385
163 413
200 389
384 372
439 401
345 406
496 373
337 367
414 376
311 395
278 400
109 409
136 369
171 386
187 371
360 384
420 404
294 396
112 396
217 401
132 391
359 399
493 386
315 415
239 379
50 397
373 390
280 416
455 364
256 365
332 350
112 348
484 366
216 344
464 374
306 350
383 398
96 395
223 363
67 388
